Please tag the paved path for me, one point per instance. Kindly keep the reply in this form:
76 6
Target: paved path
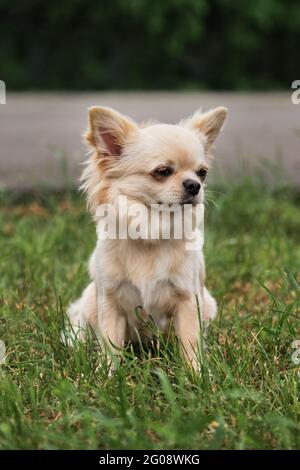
40 134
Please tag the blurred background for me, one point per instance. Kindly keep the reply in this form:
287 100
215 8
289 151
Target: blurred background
158 59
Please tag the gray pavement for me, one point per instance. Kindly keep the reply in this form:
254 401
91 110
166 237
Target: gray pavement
41 143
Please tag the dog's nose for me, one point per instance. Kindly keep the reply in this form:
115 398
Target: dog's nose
191 186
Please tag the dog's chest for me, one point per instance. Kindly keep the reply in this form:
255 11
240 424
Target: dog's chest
148 276
160 276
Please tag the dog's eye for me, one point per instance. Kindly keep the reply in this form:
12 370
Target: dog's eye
163 172
202 173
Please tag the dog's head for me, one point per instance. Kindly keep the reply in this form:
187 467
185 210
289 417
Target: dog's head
152 163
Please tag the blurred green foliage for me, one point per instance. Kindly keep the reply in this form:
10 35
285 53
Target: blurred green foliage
154 44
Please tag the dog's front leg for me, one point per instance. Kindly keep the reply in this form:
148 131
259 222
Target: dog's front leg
111 323
188 329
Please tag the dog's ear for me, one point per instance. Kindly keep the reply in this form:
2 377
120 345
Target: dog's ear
108 130
208 124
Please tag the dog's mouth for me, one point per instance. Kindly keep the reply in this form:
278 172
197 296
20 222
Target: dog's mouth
191 200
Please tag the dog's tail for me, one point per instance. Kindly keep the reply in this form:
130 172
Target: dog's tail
209 306
81 313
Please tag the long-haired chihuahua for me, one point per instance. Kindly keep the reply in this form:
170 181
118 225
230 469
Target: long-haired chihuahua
151 165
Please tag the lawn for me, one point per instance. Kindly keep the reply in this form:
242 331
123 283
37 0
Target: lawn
247 396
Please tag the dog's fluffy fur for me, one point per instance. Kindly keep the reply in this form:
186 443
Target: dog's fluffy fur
159 275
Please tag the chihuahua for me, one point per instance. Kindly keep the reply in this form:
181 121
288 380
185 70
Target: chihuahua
151 164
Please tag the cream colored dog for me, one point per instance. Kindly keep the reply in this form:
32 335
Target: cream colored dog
149 164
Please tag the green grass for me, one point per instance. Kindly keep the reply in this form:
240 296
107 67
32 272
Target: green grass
247 395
